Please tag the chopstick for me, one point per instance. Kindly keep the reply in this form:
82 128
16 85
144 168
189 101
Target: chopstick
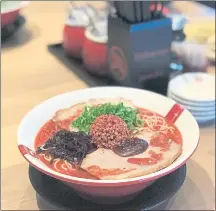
161 9
91 21
117 8
153 11
94 10
73 4
141 8
135 12
158 11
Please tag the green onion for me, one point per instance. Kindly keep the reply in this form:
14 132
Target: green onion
90 113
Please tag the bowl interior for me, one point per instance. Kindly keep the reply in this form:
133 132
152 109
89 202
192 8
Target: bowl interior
34 120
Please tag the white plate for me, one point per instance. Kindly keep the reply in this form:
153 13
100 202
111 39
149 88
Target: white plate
190 103
204 119
207 115
198 87
203 113
196 109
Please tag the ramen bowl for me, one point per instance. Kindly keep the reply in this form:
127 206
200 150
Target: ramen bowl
108 191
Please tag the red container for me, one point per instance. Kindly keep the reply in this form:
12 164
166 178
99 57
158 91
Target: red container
95 50
73 39
74 30
9 15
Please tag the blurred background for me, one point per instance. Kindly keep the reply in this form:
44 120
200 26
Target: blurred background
52 47
70 45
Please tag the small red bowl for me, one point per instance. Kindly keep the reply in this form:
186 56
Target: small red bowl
73 39
9 15
95 51
74 31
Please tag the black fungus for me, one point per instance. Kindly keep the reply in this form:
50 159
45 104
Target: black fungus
69 146
131 147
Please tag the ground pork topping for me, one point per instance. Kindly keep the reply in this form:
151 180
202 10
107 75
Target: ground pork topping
108 131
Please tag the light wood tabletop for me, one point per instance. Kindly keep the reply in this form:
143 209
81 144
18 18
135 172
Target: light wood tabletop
30 74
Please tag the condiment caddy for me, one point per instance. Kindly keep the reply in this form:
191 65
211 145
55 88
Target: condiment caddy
139 58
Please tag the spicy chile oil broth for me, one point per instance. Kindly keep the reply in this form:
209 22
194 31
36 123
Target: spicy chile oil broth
50 128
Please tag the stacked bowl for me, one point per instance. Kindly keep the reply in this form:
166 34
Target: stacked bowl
195 92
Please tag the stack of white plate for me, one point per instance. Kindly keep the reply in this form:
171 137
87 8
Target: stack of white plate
196 92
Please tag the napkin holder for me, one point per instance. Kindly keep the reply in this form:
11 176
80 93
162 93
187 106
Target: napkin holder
139 53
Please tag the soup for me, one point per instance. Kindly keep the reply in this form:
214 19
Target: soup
108 139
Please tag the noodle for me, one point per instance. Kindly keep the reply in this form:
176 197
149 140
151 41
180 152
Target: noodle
55 164
156 123
64 166
69 166
47 157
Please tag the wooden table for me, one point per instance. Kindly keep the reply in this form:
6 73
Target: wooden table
30 75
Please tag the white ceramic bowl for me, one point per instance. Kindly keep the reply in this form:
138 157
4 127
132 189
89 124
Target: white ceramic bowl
108 189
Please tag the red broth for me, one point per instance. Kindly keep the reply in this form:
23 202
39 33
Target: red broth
153 122
160 124
168 133
47 131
